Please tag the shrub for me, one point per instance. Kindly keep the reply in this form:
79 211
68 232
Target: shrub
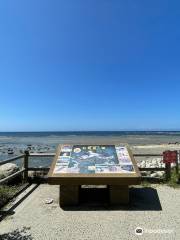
6 193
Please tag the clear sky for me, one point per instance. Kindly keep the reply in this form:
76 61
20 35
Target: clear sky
89 65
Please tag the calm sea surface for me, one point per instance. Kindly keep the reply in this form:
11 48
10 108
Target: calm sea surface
53 138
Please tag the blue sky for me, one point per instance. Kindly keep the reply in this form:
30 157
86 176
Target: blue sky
89 65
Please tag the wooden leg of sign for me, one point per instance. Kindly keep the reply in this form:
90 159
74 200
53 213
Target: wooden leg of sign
118 194
168 171
69 195
177 165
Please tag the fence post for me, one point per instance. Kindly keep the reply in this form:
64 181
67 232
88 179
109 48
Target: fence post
177 163
26 161
168 171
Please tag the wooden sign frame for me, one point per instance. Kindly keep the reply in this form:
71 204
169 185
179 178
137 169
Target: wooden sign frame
133 178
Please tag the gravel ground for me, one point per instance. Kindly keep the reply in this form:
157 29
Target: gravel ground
155 208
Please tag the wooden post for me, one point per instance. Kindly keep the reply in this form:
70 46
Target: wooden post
168 171
26 161
177 163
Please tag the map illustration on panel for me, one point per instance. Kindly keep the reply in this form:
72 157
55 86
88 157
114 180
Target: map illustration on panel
87 159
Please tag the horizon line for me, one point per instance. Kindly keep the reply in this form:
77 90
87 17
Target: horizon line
127 130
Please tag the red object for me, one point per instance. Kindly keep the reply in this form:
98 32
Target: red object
170 157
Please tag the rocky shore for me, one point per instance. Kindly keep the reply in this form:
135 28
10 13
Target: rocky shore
152 163
8 169
10 150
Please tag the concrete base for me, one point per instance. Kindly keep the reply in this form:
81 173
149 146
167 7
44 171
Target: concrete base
118 194
69 195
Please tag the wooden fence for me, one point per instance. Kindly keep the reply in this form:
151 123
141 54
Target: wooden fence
25 169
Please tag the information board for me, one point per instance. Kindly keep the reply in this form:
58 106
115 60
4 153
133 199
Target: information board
94 159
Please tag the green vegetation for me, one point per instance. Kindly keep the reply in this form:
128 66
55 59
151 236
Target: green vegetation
175 178
7 193
173 182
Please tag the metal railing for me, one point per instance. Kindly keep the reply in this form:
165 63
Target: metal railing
25 169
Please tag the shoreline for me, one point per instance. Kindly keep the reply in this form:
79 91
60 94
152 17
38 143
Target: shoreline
13 149
139 144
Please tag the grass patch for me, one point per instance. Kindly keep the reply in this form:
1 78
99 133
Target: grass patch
8 192
174 181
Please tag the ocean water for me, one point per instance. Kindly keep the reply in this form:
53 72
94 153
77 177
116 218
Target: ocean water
21 139
48 141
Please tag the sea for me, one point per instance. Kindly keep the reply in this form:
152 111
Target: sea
16 142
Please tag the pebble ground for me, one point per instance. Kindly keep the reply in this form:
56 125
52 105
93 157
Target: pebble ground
156 210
